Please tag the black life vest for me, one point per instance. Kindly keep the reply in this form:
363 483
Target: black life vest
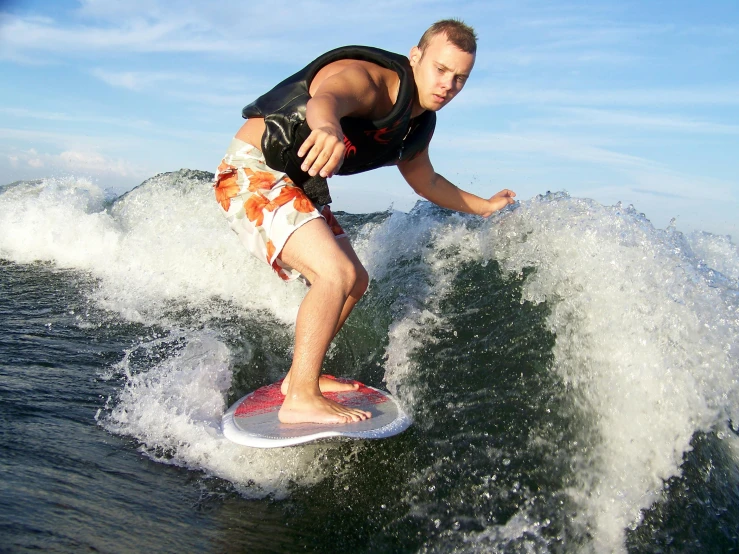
369 144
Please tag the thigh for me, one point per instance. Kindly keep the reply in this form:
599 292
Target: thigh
314 250
263 207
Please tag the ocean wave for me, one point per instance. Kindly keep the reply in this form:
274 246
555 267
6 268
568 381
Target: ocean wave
559 357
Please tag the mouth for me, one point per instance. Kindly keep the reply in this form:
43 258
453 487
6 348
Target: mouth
438 98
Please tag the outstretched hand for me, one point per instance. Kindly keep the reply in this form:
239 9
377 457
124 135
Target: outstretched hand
323 151
499 201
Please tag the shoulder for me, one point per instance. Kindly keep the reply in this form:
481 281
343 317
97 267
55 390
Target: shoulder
360 72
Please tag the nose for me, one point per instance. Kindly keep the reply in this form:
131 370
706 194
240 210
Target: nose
447 81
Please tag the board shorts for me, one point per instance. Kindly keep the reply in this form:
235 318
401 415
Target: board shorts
263 206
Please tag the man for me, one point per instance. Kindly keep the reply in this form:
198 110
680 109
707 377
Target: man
351 110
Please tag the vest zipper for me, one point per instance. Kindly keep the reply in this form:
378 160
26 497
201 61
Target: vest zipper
402 144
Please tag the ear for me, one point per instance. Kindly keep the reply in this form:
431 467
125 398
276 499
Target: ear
415 55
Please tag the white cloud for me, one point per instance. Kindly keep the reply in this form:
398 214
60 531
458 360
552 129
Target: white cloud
548 145
29 158
25 113
133 80
76 161
90 161
637 121
194 88
133 145
491 93
243 30
30 34
668 183
63 139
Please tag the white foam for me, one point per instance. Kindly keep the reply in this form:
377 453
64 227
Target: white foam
647 344
646 338
521 533
162 242
717 253
174 409
431 250
59 220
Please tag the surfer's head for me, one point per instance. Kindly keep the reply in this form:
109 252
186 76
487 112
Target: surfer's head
442 62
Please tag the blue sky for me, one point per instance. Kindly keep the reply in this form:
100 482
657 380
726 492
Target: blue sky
612 100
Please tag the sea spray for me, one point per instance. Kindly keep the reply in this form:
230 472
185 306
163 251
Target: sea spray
173 407
646 338
61 220
559 357
718 256
155 247
646 344
456 348
162 256
417 255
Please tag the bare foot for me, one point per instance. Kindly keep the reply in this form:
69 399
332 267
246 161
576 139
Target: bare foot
317 409
325 384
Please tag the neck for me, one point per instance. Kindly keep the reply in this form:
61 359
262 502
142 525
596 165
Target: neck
417 108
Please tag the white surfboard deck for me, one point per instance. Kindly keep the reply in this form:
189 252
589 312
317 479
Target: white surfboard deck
252 421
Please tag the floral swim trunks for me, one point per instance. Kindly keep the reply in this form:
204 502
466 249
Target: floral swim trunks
263 206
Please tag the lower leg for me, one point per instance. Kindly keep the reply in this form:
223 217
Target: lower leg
313 251
317 319
360 287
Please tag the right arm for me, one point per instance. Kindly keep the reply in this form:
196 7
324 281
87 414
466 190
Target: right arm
351 91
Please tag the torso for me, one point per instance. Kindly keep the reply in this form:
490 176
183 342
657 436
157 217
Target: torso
386 81
251 132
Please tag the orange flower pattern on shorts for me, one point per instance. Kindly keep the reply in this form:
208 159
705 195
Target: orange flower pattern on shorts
254 208
301 202
226 188
333 224
263 206
260 180
225 168
270 251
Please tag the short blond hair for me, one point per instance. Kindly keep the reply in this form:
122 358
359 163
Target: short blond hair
457 32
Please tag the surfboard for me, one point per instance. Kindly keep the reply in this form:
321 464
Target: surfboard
252 421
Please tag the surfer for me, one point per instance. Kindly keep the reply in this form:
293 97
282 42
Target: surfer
351 110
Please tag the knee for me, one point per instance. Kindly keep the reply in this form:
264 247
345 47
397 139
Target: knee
352 279
355 279
361 282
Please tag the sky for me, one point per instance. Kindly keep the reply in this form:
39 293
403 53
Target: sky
619 101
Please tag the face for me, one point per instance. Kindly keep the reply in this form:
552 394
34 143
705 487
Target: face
440 72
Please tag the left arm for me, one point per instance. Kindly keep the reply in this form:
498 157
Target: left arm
420 175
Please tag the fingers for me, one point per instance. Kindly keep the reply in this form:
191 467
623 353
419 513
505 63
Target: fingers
324 153
504 198
504 201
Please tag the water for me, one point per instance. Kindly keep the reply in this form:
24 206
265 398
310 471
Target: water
572 372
